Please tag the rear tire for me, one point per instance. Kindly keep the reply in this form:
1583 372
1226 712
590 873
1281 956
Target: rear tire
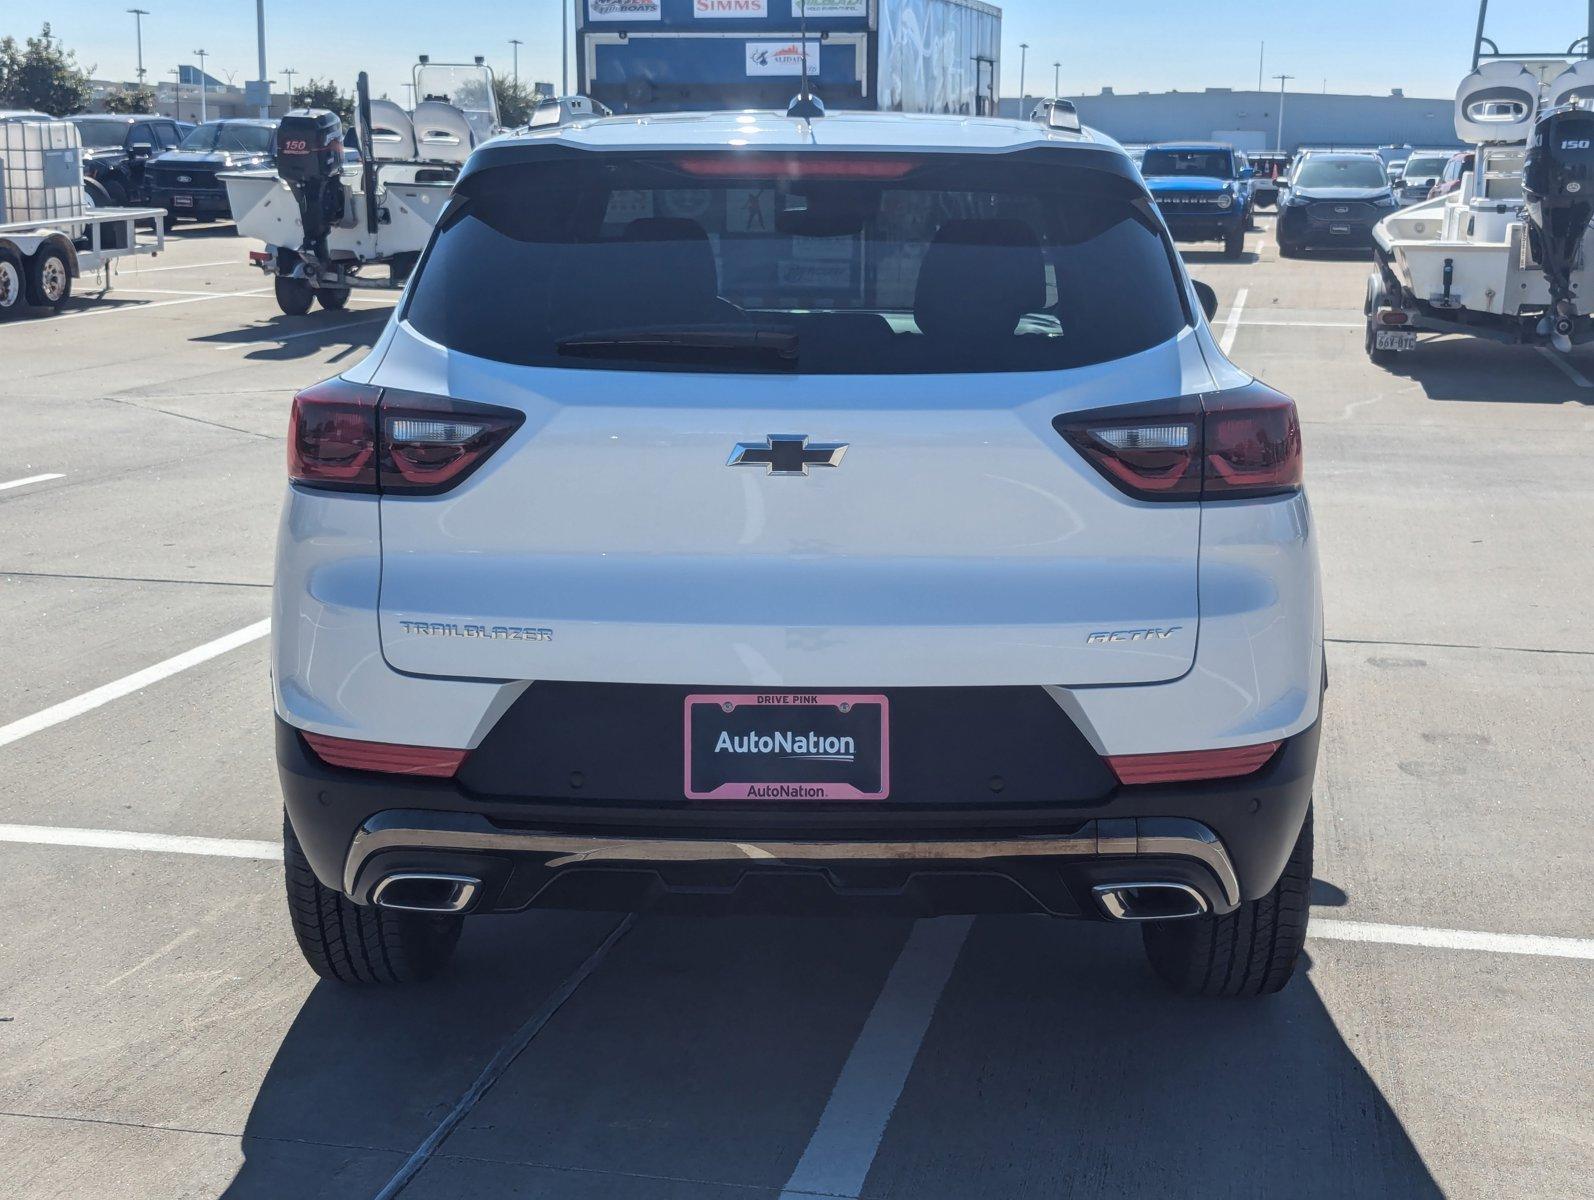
49 278
1251 951
294 296
1234 244
13 284
115 190
353 943
333 299
95 192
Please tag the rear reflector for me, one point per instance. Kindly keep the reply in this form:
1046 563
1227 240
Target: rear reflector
1231 445
260 256
385 757
1190 765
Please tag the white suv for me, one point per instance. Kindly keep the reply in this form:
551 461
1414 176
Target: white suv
751 513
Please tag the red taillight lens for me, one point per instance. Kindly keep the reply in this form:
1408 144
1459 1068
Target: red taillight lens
353 437
385 757
1193 765
1252 446
332 436
1227 446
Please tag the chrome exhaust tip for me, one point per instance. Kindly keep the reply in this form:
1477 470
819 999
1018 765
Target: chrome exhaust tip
425 892
1158 901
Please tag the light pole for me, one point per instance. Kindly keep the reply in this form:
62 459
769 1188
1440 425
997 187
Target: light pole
204 112
290 73
260 36
410 88
1023 64
138 31
1282 80
1057 80
1261 61
564 45
177 86
517 44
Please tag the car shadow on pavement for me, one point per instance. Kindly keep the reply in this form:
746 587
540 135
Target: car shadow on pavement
288 339
1218 257
1055 1065
1477 371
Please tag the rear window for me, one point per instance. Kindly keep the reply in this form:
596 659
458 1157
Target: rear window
832 265
1341 173
1207 164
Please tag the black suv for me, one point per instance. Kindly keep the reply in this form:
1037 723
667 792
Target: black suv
183 181
1334 200
116 150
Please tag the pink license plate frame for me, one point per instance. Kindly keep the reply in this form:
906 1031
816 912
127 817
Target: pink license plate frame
804 790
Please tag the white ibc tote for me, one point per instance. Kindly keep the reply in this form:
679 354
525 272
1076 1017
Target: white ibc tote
41 171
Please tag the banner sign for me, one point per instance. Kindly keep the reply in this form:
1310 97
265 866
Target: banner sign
781 58
831 8
623 10
730 8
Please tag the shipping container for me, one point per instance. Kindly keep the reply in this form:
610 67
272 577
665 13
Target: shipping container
939 56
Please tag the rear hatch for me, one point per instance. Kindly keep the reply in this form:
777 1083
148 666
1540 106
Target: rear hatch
793 426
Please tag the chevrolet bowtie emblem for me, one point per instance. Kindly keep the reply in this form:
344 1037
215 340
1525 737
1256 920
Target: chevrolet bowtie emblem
787 454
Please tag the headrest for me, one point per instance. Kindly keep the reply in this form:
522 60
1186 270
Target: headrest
679 261
392 134
442 134
978 278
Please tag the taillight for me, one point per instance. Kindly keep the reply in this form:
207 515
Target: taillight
355 437
1190 766
386 758
1232 445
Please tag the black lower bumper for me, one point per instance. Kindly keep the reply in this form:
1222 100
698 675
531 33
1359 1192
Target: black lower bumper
206 205
1205 228
883 858
1305 233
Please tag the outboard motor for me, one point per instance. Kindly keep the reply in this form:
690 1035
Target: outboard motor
1558 184
310 162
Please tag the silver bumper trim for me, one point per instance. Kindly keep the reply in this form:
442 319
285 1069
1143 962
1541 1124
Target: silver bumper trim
1172 837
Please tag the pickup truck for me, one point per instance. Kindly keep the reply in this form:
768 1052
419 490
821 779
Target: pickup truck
117 148
1203 190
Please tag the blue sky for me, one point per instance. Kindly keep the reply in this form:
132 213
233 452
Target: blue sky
1131 45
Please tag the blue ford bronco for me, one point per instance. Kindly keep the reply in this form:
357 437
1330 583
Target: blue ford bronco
1203 190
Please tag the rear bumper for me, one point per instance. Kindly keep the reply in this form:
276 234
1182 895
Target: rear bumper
1228 840
1213 227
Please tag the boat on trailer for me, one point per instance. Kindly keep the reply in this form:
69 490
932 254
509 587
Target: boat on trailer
1506 256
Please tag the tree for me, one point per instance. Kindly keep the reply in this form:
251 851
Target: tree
134 100
41 75
324 93
516 102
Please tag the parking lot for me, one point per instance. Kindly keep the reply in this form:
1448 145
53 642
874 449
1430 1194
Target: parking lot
160 1035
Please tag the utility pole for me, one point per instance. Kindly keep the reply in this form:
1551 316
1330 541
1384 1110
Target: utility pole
260 37
1282 80
203 111
517 44
138 31
1023 64
290 72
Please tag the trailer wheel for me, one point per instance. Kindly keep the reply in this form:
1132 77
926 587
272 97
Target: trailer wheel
333 299
49 278
11 283
294 296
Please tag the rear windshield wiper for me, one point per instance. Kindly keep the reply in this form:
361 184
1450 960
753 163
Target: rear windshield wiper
773 345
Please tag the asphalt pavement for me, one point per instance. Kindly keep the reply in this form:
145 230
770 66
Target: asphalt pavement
161 1037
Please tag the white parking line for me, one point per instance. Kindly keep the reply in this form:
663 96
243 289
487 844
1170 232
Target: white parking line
302 333
224 262
16 483
154 843
844 1144
1231 327
107 312
129 684
1566 368
1452 939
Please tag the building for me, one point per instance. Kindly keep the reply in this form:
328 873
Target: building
178 96
1250 119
